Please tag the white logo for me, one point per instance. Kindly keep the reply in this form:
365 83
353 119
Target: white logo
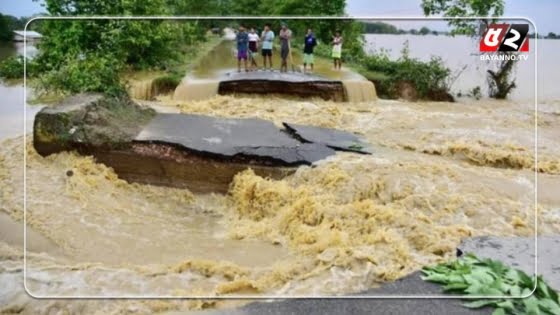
492 36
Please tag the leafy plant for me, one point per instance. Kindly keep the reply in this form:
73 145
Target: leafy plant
12 68
426 77
475 92
83 73
472 276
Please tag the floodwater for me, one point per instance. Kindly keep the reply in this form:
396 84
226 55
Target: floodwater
440 172
461 55
12 105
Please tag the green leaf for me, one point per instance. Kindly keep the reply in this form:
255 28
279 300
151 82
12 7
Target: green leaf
499 311
491 291
475 289
490 278
549 306
507 305
454 286
482 275
456 278
526 281
480 303
512 275
436 277
531 305
515 290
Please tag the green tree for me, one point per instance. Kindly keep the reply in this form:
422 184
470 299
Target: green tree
551 35
8 24
84 50
498 79
424 31
379 28
5 28
465 8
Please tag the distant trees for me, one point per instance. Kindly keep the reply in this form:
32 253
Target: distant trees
379 28
386 28
552 35
8 24
424 31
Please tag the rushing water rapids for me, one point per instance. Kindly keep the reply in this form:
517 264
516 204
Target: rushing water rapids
440 172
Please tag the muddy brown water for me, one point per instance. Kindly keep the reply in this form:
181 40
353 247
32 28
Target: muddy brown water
441 172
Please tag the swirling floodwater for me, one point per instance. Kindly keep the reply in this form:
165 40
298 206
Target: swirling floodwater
440 173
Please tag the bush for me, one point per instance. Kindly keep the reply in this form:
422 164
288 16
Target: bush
91 73
12 68
166 83
426 77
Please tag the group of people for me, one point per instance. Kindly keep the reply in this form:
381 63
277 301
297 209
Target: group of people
248 46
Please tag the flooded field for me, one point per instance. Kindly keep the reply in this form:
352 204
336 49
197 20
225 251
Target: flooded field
440 172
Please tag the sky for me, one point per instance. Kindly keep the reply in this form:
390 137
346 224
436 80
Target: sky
543 12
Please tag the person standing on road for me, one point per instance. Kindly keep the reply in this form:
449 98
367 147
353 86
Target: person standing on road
309 44
337 50
285 36
242 39
267 38
253 48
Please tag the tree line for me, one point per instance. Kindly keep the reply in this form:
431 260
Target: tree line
386 28
9 24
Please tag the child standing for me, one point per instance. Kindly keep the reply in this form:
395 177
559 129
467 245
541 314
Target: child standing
285 36
337 50
242 39
253 47
309 44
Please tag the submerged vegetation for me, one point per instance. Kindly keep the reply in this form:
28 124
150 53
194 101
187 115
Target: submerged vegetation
391 76
472 276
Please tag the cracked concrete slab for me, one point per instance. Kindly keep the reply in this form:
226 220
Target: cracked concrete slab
229 137
336 139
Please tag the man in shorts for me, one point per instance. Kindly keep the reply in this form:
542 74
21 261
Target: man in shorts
285 36
309 44
267 38
253 47
242 39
